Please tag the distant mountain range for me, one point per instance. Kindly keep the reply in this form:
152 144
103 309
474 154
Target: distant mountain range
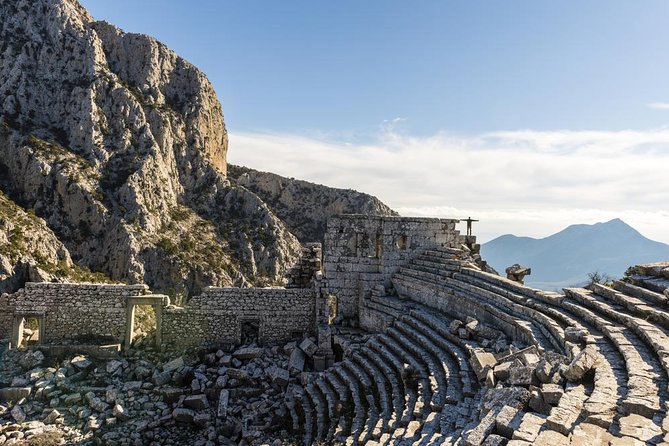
565 258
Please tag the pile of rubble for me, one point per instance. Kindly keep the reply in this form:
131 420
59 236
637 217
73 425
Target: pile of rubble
226 396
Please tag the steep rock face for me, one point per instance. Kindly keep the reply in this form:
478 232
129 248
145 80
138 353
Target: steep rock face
304 206
120 146
30 251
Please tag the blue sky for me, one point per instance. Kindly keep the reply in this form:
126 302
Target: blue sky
470 66
389 96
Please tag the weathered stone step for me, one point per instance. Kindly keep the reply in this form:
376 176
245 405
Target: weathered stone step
308 413
644 382
651 283
609 384
344 395
359 401
634 305
382 386
409 392
320 405
424 273
373 406
396 383
385 311
441 359
455 301
445 252
456 346
444 350
411 340
331 398
651 297
519 304
424 387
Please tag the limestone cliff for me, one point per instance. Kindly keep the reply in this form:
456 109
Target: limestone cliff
120 146
30 251
305 207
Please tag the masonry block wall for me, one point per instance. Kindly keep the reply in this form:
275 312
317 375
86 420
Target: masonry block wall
217 315
362 251
6 317
72 311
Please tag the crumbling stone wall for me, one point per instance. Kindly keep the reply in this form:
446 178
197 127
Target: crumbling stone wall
5 317
217 315
363 251
72 311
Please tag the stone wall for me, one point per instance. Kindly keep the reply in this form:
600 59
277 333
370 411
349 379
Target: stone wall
363 251
71 311
6 317
217 315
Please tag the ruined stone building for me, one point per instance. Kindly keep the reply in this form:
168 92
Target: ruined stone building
457 354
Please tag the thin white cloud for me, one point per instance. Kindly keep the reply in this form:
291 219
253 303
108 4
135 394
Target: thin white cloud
534 181
659 105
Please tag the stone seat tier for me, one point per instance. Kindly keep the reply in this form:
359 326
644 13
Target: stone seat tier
438 331
373 406
359 402
547 332
449 384
635 305
551 327
429 369
610 377
308 413
344 395
446 353
411 396
446 252
405 356
458 302
389 313
610 384
643 370
331 398
396 383
652 283
651 297
424 273
320 405
382 386
431 430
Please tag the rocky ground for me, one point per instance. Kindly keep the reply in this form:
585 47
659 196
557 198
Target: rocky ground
225 396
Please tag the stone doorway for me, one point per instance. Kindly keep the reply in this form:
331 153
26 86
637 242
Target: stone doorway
144 313
28 330
250 331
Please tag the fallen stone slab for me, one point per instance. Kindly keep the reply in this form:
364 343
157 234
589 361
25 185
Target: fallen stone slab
585 361
297 360
563 417
521 376
14 393
552 393
183 415
246 353
81 362
173 364
508 420
223 399
529 428
308 347
481 361
279 376
197 402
